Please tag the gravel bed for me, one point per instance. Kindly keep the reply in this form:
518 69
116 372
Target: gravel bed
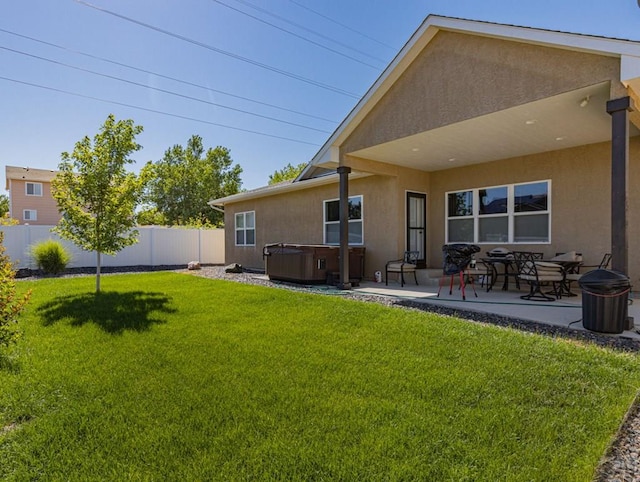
621 463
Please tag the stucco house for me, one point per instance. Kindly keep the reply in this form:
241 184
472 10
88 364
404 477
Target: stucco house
476 132
30 199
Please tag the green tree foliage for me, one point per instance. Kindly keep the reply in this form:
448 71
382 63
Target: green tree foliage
181 184
4 204
150 217
96 196
10 304
287 173
7 221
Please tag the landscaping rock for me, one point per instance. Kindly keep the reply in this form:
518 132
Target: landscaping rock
194 265
233 268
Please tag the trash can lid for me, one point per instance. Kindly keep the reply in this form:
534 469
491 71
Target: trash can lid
604 279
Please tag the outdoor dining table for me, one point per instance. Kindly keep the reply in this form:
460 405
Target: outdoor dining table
508 264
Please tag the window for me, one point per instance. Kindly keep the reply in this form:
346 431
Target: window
246 228
30 215
332 221
516 213
33 189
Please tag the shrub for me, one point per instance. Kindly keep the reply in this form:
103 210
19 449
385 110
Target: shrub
50 256
10 304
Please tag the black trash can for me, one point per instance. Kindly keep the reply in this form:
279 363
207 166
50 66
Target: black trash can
605 301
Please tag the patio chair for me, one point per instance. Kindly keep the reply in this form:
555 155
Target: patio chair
604 262
515 274
457 258
572 271
408 264
487 274
538 273
575 274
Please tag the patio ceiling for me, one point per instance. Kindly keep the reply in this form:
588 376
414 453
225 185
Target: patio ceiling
554 123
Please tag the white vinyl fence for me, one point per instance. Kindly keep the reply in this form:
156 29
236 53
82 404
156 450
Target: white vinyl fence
156 247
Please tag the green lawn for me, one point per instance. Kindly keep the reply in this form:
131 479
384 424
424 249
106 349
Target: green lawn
173 377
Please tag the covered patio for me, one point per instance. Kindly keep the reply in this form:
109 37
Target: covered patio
564 313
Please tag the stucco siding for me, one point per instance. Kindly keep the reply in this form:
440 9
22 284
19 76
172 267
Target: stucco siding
298 218
580 199
580 207
459 76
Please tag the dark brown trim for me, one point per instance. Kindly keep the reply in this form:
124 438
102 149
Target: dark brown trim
619 110
421 263
343 172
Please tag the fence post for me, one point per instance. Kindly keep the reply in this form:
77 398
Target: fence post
152 259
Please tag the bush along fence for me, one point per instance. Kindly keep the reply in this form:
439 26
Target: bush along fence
157 246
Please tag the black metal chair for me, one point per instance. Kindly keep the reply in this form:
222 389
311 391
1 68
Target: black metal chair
574 274
408 264
537 273
457 258
515 274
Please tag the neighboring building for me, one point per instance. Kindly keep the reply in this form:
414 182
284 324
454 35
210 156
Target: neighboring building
476 132
30 197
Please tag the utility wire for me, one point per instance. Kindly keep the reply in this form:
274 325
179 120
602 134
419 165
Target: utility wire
131 82
302 27
224 52
250 5
178 116
103 59
343 25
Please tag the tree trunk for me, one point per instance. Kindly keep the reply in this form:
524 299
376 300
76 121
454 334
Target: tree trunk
97 271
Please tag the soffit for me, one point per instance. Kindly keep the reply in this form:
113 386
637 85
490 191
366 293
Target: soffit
558 122
424 34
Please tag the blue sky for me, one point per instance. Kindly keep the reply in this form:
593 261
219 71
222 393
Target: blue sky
51 50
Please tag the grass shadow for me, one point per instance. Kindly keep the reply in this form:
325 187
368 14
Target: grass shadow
114 312
9 364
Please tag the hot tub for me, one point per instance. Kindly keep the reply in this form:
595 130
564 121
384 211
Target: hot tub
309 263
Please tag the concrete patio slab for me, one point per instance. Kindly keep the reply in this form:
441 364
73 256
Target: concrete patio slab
566 312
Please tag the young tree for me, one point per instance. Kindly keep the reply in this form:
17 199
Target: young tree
181 184
4 204
96 196
10 304
288 172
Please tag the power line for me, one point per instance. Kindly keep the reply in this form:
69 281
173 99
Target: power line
224 52
209 89
178 116
366 54
220 2
343 25
131 82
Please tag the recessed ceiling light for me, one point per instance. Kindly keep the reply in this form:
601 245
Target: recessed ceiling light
451 159
415 149
560 138
530 122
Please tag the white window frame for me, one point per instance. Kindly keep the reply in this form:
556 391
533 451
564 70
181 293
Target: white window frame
34 184
244 228
30 212
326 223
510 214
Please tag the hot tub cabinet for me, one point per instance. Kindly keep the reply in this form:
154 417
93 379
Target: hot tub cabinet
309 264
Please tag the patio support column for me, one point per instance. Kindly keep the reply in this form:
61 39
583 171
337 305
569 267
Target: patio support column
619 110
344 171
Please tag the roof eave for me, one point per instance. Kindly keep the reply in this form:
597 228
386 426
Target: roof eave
285 188
329 152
